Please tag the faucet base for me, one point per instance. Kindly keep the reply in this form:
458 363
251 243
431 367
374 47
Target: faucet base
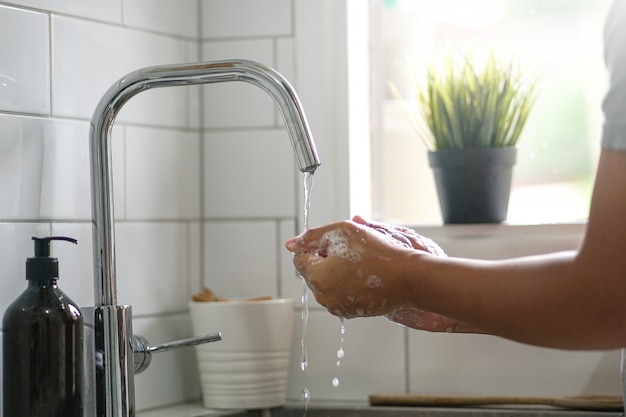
108 361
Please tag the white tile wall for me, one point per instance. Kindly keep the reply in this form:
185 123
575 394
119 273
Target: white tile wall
170 17
24 74
21 167
452 364
162 163
153 266
110 11
107 52
44 168
206 191
65 189
249 174
246 19
240 258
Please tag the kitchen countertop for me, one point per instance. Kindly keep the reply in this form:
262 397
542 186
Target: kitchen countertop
365 410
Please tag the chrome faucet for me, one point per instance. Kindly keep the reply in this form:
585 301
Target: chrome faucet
113 353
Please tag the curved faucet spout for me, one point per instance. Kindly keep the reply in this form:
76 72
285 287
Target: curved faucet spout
165 76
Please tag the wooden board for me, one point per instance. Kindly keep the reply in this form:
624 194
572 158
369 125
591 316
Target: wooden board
591 402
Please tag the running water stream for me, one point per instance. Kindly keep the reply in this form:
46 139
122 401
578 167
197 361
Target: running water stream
304 362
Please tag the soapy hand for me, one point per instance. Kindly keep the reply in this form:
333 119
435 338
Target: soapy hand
432 322
354 269
405 236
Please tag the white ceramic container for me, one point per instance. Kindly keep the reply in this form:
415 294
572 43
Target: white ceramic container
248 368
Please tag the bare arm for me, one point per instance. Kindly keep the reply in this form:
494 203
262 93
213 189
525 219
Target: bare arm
566 300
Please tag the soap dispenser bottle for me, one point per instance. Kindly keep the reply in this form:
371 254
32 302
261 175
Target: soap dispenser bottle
43 344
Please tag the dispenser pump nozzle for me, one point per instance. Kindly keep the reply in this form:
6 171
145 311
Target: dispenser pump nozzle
42 266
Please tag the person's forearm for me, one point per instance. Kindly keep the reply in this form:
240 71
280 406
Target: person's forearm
547 300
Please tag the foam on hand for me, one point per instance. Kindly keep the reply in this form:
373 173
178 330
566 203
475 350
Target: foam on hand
374 282
336 243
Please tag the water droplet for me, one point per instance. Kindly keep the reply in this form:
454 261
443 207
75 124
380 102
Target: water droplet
335 382
306 397
340 353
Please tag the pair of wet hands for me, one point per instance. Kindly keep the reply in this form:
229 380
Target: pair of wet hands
355 243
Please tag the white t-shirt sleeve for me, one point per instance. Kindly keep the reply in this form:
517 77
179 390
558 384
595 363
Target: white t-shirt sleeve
614 104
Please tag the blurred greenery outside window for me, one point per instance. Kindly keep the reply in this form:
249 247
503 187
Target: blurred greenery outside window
560 41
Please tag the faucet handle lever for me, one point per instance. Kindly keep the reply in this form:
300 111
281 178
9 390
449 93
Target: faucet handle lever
142 351
192 341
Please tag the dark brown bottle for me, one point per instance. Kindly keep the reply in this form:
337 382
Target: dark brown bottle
43 344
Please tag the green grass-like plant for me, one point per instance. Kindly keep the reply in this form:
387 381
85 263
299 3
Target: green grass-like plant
467 106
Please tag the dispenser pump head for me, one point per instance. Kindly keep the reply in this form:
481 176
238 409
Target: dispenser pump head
42 266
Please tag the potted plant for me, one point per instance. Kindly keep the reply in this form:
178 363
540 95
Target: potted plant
474 116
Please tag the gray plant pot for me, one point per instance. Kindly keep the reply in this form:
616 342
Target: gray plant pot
473 184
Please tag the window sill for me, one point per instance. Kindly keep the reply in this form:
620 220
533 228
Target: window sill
499 241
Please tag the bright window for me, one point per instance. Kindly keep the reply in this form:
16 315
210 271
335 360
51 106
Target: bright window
560 40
